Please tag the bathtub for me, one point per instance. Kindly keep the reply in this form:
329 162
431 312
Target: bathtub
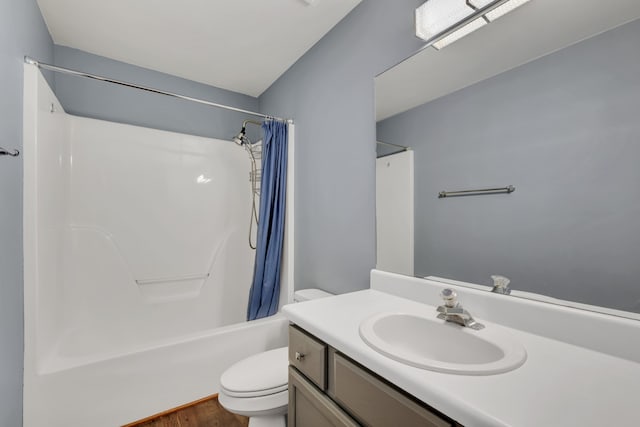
136 266
119 390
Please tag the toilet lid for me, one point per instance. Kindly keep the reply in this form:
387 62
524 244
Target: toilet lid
257 375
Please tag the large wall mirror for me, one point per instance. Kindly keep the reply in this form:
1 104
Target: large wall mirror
547 100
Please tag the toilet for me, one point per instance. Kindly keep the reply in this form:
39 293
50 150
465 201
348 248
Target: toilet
256 387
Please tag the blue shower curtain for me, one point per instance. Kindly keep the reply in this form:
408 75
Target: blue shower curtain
265 290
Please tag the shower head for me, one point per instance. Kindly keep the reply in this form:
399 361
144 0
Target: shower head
240 138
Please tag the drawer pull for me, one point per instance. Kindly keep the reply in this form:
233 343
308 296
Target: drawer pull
299 356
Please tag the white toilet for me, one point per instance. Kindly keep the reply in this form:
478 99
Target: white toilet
256 387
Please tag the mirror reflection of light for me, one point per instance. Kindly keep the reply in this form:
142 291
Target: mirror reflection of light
203 180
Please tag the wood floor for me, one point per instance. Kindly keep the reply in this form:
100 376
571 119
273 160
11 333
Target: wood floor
206 412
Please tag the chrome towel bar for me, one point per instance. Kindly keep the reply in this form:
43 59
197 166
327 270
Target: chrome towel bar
508 189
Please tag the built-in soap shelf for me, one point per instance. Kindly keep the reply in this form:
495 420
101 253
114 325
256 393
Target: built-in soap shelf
166 289
173 279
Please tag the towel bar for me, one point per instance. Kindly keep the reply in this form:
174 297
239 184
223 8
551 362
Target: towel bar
508 189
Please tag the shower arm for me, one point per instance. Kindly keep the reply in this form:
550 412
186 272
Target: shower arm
253 122
246 122
241 138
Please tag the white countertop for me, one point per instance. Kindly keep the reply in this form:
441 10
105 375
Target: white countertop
559 385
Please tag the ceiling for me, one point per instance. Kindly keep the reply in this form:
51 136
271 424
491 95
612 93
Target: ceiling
536 29
239 45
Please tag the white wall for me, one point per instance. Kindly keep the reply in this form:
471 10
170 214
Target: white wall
46 167
133 236
394 213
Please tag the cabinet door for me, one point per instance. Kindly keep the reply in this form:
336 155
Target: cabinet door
374 403
308 407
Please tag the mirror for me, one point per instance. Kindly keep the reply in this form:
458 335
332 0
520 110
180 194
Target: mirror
546 99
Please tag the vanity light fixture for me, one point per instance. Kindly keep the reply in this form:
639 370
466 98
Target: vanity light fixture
496 13
458 34
442 22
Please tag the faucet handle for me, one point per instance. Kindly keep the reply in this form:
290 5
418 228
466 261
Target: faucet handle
501 284
450 297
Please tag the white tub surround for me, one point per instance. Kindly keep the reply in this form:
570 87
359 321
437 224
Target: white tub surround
582 368
137 266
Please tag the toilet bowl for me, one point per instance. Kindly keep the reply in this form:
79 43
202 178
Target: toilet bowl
257 387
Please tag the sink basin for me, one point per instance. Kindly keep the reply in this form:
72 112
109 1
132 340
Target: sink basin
431 343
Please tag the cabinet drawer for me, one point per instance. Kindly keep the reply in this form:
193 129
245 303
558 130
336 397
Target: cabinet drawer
309 355
308 407
373 402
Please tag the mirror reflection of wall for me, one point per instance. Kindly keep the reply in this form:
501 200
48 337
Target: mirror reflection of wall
565 131
395 210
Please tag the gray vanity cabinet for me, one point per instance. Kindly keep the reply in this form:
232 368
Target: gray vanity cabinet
326 388
308 407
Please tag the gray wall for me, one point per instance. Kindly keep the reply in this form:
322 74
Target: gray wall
564 130
330 94
22 31
106 101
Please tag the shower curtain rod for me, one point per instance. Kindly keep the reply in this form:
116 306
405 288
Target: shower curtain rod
62 70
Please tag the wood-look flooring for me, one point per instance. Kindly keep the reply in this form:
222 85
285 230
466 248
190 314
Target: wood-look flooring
206 412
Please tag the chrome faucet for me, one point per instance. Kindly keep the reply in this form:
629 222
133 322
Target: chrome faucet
501 285
452 311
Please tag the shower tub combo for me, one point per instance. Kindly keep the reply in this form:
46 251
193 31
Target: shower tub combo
137 266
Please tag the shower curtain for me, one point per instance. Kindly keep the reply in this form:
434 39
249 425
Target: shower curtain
265 289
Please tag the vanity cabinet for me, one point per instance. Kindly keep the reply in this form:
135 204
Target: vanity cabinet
309 407
326 388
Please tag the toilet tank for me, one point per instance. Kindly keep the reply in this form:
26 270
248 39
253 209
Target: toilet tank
309 294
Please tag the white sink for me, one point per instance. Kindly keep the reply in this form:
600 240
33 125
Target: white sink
434 344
